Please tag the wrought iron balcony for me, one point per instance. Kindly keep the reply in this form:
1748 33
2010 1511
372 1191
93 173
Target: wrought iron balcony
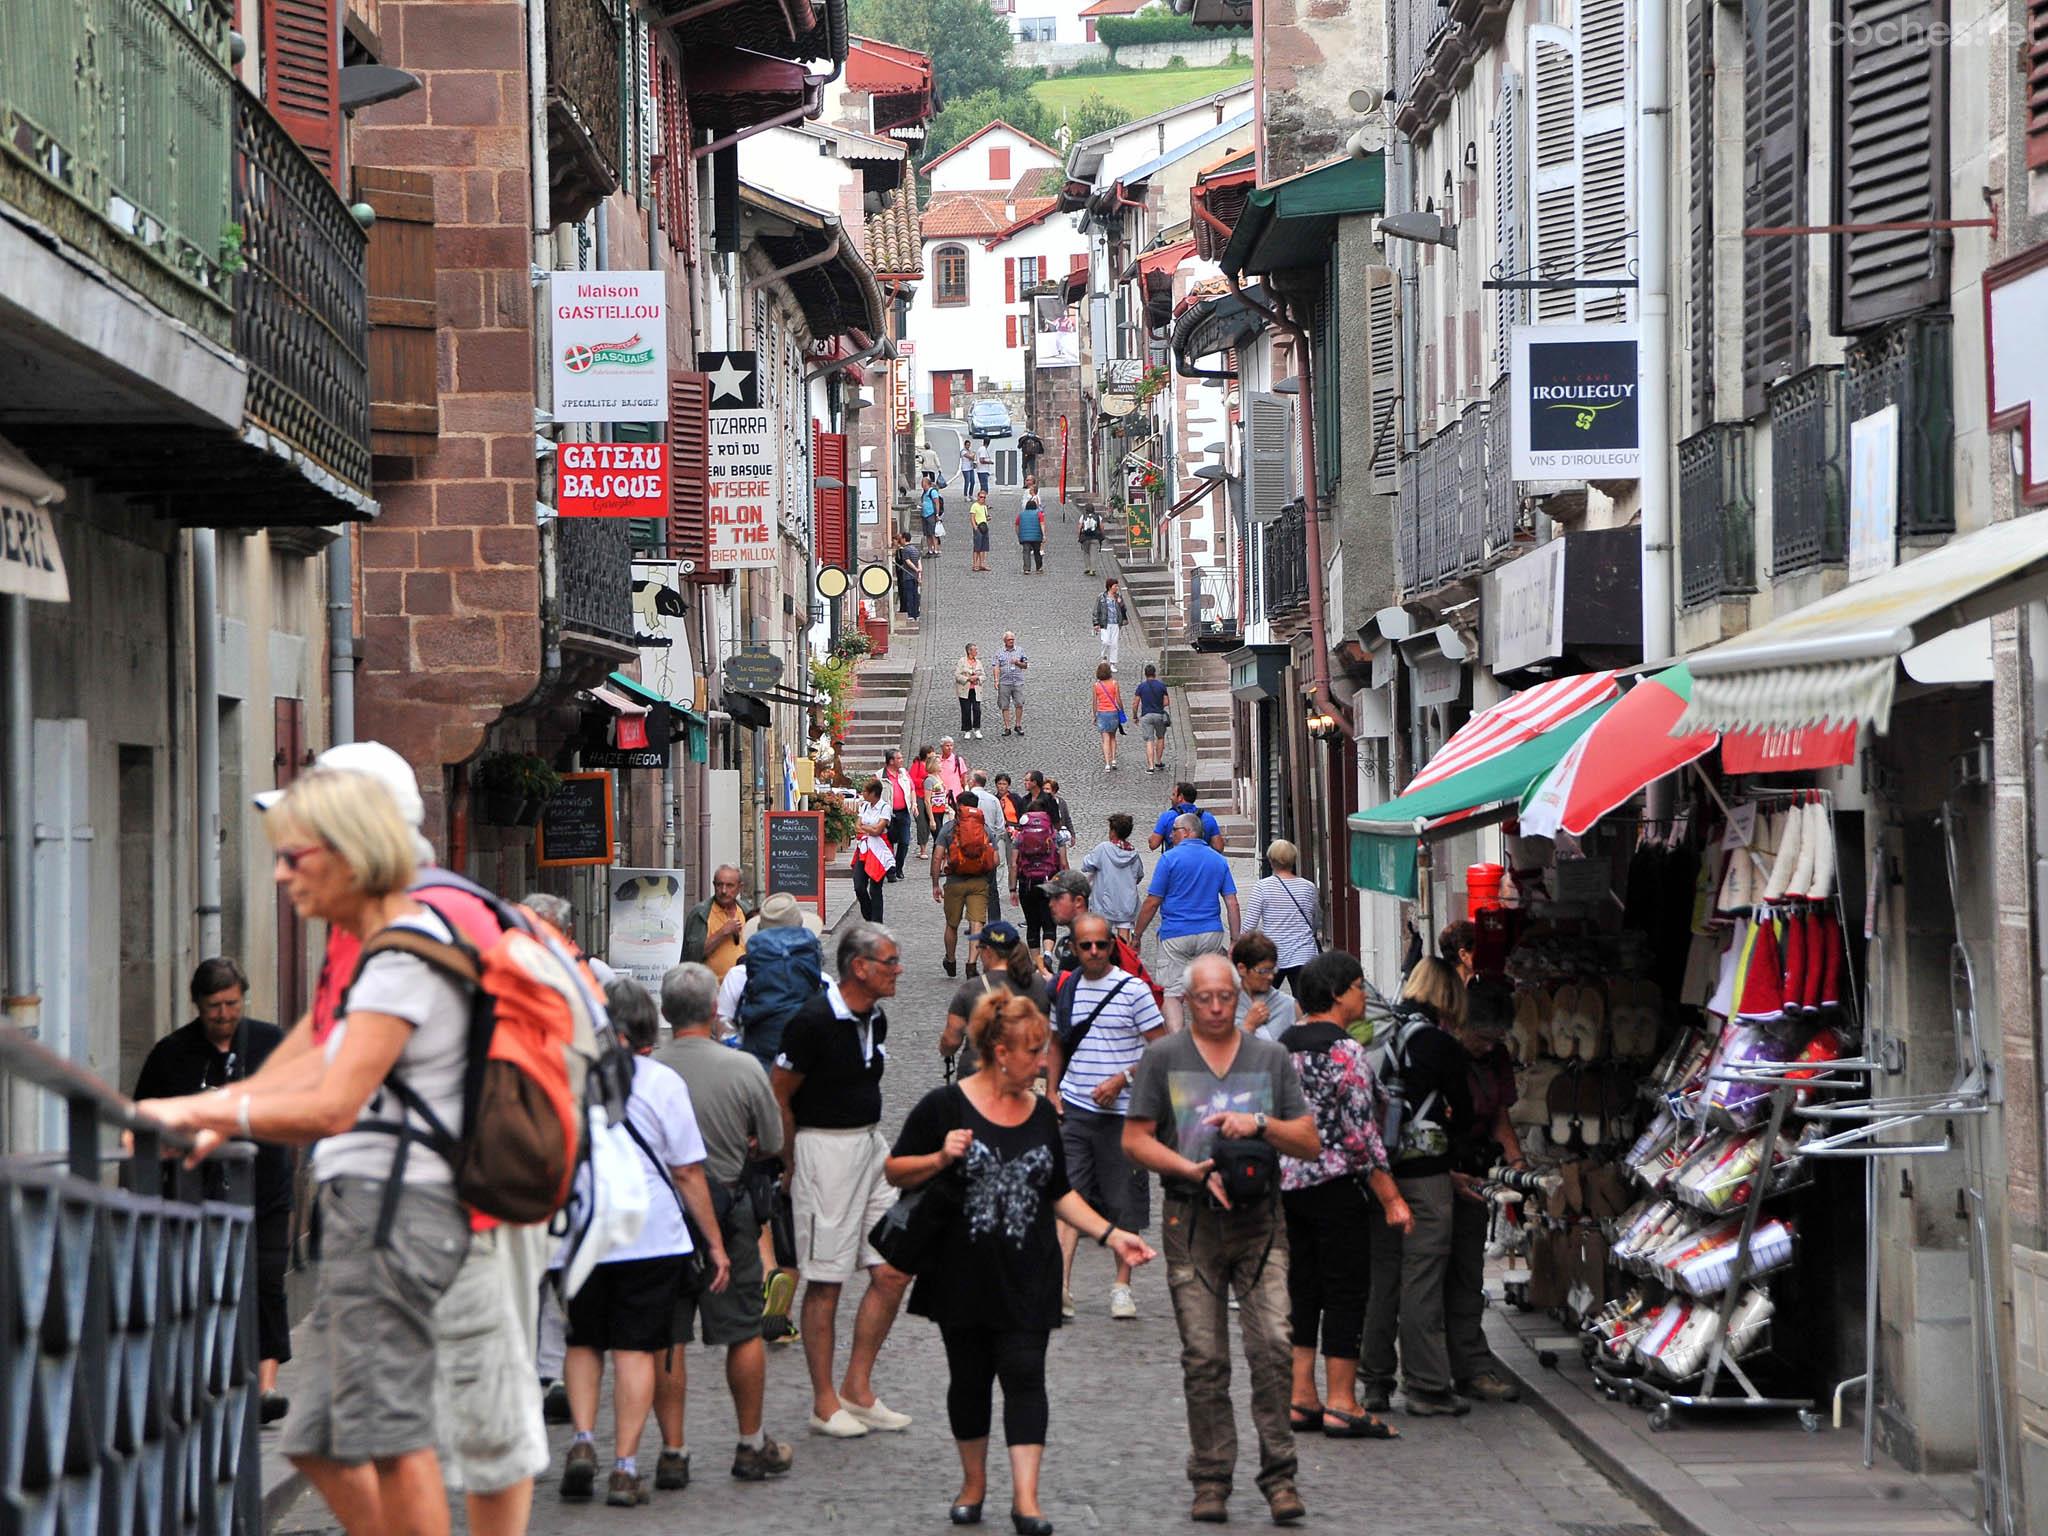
1457 502
594 572
1215 617
1716 516
1908 366
586 117
1809 476
1283 563
115 132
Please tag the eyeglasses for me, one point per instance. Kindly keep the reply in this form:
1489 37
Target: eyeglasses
1214 997
1258 970
1094 944
893 962
290 857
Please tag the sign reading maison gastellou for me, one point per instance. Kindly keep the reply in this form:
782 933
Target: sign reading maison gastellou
610 343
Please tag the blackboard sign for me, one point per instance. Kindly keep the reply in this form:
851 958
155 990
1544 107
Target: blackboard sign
576 823
796 855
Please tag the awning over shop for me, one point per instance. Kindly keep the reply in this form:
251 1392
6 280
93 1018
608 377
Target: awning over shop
1834 664
1293 223
1161 263
1631 747
838 294
1217 324
696 726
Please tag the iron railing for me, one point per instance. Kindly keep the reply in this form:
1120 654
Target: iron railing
301 307
594 571
1809 484
1215 618
586 118
1907 365
1503 501
1284 568
1407 526
115 131
1457 501
128 1381
1716 515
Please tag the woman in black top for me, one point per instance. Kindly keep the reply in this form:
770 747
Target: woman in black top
995 1289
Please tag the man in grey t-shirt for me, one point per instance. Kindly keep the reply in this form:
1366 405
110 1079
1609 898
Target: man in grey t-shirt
1010 666
1212 1083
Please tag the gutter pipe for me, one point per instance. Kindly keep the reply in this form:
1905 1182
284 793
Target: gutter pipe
812 104
206 731
341 641
801 264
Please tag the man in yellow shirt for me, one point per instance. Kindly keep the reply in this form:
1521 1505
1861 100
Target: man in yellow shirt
713 933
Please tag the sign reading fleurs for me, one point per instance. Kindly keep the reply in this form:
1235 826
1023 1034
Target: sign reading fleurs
1575 395
611 480
743 486
610 343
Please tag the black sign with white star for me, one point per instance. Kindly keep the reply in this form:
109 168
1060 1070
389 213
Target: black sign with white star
735 380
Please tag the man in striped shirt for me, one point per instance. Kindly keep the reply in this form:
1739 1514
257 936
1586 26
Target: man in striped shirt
1105 1017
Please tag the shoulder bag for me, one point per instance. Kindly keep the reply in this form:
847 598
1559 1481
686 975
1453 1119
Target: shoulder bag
912 1233
696 1263
1306 916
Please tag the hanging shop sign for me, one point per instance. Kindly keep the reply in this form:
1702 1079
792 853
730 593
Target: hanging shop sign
611 480
610 339
1575 392
1874 493
1522 619
753 671
743 465
661 629
31 563
648 913
2016 364
1138 525
899 392
1435 680
576 822
1580 594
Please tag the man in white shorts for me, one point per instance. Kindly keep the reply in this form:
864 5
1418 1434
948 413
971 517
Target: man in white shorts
828 1081
1195 899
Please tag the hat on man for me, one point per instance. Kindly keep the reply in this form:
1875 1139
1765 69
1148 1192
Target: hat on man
1003 938
782 910
1068 882
373 760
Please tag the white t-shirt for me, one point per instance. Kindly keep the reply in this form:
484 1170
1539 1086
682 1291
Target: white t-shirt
432 1063
1114 1042
660 1111
730 991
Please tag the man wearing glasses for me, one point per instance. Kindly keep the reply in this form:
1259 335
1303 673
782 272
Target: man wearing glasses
828 1080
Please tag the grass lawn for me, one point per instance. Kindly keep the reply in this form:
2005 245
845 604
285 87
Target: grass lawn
1140 92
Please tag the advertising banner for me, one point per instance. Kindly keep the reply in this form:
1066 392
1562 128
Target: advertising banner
1059 334
648 912
610 346
1575 392
661 631
743 465
611 480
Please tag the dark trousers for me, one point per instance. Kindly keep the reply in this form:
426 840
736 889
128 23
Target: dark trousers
976 1359
970 710
867 890
899 840
995 894
1465 1293
1329 1265
906 596
1039 928
273 1260
1407 1296
1034 553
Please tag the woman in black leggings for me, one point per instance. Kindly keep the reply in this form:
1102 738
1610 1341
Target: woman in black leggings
994 1286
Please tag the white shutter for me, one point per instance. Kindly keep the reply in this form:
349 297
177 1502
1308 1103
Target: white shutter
1607 156
1269 457
1554 172
1383 373
1508 303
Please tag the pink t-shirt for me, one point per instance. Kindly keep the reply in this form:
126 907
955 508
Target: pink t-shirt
952 772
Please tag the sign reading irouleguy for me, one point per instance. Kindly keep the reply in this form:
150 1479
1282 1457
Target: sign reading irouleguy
610 344
1575 392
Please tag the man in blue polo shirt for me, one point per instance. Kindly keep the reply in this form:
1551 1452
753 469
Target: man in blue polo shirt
1184 805
1190 883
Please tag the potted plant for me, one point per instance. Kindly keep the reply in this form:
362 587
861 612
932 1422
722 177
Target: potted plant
512 787
841 825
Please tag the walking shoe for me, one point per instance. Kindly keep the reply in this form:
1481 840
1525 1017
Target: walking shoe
841 1426
1122 1304
952 966
1490 1387
781 1330
1284 1500
1425 1405
275 1406
1212 1504
780 1293
625 1490
579 1470
1006 730
751 1464
672 1471
1067 1305
554 1403
877 1415
1374 1397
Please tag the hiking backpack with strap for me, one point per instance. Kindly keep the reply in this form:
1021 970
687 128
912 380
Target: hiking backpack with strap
1388 1057
970 852
1038 849
785 970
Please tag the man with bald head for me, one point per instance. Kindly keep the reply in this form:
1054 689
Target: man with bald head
1211 1084
1195 899
714 932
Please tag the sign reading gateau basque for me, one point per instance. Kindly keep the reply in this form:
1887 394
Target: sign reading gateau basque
742 464
610 346
611 480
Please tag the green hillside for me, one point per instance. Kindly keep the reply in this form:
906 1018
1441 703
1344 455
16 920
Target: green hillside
1137 92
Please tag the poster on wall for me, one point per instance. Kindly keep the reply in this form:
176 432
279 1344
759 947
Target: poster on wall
1058 332
648 912
1874 493
743 460
1575 392
610 346
611 480
661 630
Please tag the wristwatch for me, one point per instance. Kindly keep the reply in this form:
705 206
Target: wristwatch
1260 1122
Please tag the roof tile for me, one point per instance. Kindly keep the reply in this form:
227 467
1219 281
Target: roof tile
893 246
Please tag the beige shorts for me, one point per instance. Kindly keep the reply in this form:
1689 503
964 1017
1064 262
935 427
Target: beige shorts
837 1194
486 1389
1170 970
966 896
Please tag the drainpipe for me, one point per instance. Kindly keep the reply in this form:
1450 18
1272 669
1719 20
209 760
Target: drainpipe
341 642
206 730
24 1007
1654 128
803 264
868 350
1402 193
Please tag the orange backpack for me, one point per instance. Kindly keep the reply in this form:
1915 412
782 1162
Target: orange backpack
971 851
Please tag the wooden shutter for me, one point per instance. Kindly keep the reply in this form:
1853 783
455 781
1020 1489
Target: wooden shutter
1699 121
829 537
1078 262
2036 67
1774 99
677 176
1010 282
1890 158
1327 358
1508 306
1010 331
405 410
302 76
1554 167
1269 477
689 485
1606 157
1382 372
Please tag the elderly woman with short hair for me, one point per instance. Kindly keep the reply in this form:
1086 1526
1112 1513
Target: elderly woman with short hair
1288 910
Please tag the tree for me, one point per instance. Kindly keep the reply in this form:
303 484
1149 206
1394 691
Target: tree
963 117
1094 114
969 44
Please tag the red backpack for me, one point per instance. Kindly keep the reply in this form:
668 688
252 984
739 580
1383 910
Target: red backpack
971 852
1038 850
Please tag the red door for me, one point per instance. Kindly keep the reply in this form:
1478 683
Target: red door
942 394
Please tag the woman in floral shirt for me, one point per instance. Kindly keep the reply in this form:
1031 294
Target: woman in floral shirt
1325 1198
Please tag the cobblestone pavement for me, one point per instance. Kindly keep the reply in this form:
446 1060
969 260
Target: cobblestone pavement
1118 1440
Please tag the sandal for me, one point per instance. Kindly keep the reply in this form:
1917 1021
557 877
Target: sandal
1357 1426
1305 1421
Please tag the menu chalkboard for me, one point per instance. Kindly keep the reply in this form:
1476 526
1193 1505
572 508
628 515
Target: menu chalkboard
576 822
796 855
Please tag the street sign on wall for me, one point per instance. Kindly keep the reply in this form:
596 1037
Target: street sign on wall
743 464
1573 393
610 340
611 480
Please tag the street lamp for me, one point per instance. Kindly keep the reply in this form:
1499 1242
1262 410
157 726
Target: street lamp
1422 228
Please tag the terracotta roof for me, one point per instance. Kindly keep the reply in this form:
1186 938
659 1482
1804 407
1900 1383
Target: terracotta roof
887 69
1028 211
978 214
894 248
1115 7
1043 182
990 128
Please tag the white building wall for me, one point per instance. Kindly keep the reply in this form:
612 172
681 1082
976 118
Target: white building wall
973 335
966 169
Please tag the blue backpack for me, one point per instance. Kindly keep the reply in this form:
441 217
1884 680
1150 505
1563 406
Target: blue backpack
785 970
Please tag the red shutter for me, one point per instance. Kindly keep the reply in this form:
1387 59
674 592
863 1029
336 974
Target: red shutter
302 69
689 488
1009 279
1078 262
1009 330
829 537
999 165
675 155
2037 84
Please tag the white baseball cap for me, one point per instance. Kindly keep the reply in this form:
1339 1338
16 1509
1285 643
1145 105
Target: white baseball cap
373 760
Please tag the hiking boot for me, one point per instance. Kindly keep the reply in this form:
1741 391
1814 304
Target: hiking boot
1284 1500
752 1465
672 1472
1374 1396
1212 1504
950 965
579 1470
1424 1405
625 1490
1490 1387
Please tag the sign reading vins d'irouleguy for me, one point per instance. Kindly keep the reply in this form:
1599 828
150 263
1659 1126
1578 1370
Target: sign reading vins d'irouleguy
1576 392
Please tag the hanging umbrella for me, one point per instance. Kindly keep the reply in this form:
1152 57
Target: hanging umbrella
1515 719
1630 747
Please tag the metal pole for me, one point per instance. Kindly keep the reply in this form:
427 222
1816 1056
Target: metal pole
24 1006
206 730
1654 268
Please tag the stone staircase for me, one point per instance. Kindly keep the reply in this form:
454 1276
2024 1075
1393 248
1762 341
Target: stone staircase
874 724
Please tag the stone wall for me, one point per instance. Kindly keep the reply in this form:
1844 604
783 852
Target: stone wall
1312 55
